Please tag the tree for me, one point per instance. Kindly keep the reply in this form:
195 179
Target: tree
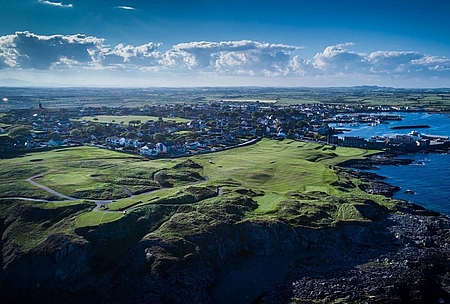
191 135
19 133
131 135
75 133
256 115
55 136
159 137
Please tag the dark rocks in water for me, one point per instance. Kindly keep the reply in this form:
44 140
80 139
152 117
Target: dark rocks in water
409 192
379 188
372 183
372 162
365 175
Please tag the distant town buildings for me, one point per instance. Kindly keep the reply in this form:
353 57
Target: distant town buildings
204 127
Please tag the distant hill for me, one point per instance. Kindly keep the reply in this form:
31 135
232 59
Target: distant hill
13 82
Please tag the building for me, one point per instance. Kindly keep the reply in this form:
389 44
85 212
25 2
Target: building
354 142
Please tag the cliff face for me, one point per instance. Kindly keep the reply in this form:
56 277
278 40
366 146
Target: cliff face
163 255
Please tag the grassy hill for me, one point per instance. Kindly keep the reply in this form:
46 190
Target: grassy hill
288 179
172 217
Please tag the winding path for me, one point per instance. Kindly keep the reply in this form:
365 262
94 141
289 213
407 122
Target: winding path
99 203
56 193
45 188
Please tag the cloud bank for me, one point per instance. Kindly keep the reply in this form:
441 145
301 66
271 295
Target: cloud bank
28 51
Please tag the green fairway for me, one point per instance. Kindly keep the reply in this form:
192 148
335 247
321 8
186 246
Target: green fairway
83 172
126 119
141 199
277 167
96 218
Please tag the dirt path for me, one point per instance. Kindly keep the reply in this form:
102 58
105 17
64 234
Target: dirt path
99 203
45 188
128 192
66 197
27 199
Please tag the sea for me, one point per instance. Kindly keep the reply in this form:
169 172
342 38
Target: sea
428 177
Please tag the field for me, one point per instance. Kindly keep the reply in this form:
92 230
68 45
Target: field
80 172
428 99
275 171
97 218
126 119
278 167
251 100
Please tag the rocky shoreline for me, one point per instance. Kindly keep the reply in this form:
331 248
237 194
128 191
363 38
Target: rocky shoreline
406 262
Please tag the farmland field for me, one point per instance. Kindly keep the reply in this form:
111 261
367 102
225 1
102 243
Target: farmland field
127 118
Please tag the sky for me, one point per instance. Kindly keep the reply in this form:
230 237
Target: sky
145 43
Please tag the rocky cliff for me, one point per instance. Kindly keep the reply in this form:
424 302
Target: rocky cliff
177 254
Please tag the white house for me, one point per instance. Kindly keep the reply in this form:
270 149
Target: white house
113 140
53 143
162 149
133 143
148 151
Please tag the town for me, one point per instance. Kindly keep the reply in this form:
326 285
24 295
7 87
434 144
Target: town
174 130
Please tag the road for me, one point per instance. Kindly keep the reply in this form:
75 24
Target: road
45 188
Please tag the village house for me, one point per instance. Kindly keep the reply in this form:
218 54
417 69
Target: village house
148 150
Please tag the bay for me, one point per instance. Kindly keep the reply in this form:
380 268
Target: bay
429 175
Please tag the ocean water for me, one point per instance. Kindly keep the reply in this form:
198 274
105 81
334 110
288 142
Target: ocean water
429 175
439 125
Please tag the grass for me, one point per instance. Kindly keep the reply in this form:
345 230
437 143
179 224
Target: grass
348 212
267 202
277 167
83 172
291 181
96 218
263 100
272 169
141 199
126 119
30 224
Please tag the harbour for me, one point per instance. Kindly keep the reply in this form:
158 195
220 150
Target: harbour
425 181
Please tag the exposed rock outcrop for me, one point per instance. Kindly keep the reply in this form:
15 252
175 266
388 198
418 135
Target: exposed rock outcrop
396 257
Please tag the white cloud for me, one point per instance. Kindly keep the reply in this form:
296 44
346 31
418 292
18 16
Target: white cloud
128 8
143 55
243 58
59 4
337 59
29 51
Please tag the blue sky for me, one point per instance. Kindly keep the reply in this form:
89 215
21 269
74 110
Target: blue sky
206 43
